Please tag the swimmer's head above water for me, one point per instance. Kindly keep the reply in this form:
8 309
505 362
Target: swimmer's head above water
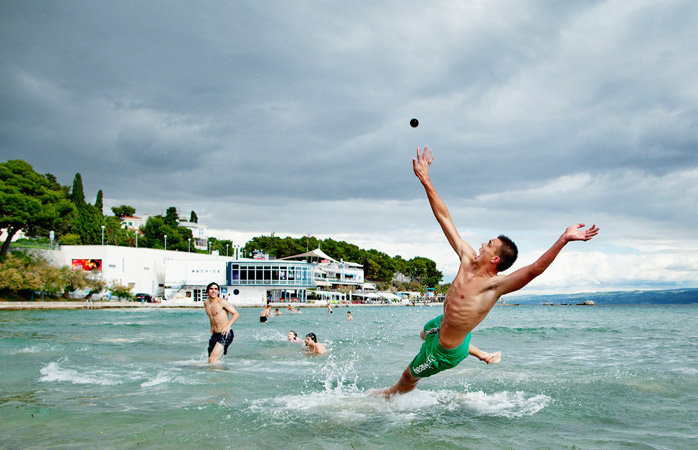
311 336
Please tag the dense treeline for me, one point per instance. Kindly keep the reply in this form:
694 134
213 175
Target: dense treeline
378 266
38 204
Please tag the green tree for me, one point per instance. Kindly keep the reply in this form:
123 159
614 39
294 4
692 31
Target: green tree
70 239
121 290
193 218
424 271
171 217
156 228
99 204
89 224
27 272
221 245
123 211
73 279
28 200
114 233
77 195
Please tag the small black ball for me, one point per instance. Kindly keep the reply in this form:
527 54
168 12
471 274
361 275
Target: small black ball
414 123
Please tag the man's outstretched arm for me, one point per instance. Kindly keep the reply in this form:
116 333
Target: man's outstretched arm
421 169
520 278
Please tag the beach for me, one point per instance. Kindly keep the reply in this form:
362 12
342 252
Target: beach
570 377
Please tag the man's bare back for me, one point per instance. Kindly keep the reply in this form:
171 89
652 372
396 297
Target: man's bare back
474 291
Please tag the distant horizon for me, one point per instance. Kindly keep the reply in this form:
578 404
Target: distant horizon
618 297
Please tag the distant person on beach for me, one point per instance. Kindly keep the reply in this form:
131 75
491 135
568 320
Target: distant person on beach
218 310
293 337
474 291
313 345
349 318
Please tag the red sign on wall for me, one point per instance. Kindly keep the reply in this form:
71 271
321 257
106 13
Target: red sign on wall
87 264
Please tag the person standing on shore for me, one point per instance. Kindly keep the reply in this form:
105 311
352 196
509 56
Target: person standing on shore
218 311
475 290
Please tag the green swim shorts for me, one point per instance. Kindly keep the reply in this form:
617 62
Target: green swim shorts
433 358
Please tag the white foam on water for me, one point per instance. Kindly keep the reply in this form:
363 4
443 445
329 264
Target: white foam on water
120 340
160 378
269 335
37 348
54 372
501 404
31 349
168 378
346 404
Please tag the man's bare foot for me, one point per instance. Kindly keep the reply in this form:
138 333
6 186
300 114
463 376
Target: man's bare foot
380 393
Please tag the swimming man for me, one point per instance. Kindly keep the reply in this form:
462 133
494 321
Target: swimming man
474 291
221 333
313 345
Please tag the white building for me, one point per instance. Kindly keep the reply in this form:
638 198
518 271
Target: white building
133 223
182 277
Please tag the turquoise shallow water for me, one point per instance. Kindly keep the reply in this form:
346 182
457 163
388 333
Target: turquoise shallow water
622 377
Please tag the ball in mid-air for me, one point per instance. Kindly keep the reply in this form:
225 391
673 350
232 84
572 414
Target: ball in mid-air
414 123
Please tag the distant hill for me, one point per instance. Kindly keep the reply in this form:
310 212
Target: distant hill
663 297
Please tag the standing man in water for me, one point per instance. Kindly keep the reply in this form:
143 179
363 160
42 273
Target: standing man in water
474 291
218 310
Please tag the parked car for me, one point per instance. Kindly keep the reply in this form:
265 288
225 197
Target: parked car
143 297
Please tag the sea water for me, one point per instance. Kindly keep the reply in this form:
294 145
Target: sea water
571 377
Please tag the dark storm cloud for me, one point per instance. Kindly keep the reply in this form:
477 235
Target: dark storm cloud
537 111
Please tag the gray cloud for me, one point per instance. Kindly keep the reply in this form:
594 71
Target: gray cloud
293 116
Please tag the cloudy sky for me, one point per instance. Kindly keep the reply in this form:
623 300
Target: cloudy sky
293 118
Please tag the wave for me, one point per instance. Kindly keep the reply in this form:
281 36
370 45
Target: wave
342 400
166 378
54 372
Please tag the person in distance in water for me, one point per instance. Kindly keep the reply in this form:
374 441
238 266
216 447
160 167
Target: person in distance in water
218 310
474 291
313 346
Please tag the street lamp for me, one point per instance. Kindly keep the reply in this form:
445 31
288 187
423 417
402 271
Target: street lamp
189 250
165 242
102 234
226 249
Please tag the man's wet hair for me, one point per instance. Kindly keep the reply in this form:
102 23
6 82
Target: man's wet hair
507 253
213 284
312 337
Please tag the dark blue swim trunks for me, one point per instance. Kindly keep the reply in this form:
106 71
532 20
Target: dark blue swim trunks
224 340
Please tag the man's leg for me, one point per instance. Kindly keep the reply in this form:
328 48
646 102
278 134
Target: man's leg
406 383
215 353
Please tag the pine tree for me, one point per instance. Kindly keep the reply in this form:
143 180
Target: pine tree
98 203
77 196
